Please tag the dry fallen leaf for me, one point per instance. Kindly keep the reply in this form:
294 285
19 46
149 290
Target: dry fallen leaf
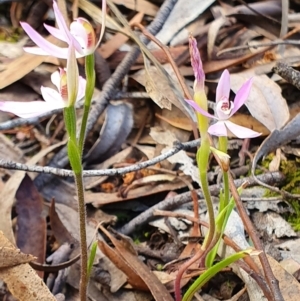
10 256
22 65
119 39
31 223
156 85
140 6
22 281
125 250
7 195
265 101
289 286
186 12
100 198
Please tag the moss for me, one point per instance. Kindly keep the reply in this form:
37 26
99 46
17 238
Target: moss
291 170
11 35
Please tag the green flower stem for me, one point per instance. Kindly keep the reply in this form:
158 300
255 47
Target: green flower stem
76 164
84 279
202 161
223 146
222 218
90 84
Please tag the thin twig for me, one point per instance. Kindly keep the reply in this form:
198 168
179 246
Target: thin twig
101 172
265 44
173 202
288 73
271 280
284 22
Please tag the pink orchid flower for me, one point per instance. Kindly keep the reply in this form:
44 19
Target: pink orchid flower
81 34
225 109
54 99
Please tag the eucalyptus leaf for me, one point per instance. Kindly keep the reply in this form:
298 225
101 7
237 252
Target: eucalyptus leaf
114 132
265 101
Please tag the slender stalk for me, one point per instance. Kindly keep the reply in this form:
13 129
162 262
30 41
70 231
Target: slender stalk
270 278
82 231
202 160
76 164
90 84
223 145
182 270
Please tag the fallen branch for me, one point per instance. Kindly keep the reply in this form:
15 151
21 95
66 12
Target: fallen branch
173 202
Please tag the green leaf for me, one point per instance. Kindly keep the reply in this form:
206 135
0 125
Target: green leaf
92 257
70 121
74 157
208 274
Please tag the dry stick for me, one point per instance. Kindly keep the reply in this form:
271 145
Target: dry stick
258 279
273 43
174 202
101 172
284 22
288 73
271 280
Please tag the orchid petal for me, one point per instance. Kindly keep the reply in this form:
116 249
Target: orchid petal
55 79
56 33
218 129
240 131
52 96
46 46
223 88
81 88
241 96
198 109
61 23
64 28
35 50
27 109
81 35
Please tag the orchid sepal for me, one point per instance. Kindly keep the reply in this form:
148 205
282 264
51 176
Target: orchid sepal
53 100
83 44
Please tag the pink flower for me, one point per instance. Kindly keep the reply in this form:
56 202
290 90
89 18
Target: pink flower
225 109
54 99
81 34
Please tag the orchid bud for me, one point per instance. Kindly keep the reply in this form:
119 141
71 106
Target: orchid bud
72 76
83 31
223 158
196 65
